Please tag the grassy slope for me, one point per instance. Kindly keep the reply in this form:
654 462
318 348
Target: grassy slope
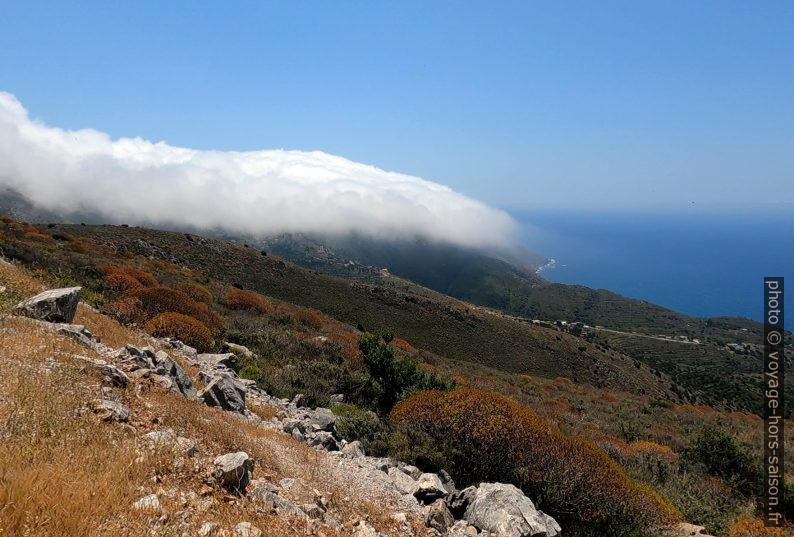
439 324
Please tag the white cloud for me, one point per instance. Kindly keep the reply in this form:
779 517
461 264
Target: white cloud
259 192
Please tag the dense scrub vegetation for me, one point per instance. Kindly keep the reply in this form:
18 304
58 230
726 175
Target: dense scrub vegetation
482 436
631 438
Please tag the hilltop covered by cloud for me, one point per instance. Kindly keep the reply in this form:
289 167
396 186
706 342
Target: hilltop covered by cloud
254 192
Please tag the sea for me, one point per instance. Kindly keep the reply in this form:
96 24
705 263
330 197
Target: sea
695 261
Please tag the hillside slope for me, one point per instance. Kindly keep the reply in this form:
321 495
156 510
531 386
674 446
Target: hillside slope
439 324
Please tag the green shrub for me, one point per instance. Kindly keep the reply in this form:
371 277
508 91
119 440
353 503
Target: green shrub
722 456
395 379
355 423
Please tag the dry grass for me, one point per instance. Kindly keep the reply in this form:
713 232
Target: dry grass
107 330
63 472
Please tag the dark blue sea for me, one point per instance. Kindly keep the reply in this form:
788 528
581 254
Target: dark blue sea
698 262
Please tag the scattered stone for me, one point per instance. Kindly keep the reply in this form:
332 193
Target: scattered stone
313 510
180 381
147 503
447 481
299 401
54 306
291 425
110 374
225 393
322 419
438 517
332 523
412 471
110 410
238 349
459 500
353 450
363 529
505 510
258 489
228 360
336 399
429 488
233 471
246 529
185 446
208 529
164 439
462 528
404 483
685 529
324 440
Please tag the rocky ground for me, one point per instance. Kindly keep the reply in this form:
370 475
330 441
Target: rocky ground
287 473
110 432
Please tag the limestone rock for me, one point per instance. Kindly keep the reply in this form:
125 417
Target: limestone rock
246 529
147 503
180 381
459 500
228 360
462 528
110 374
324 440
208 529
353 450
438 517
55 305
238 349
404 483
505 510
429 488
233 471
363 529
322 419
110 410
225 393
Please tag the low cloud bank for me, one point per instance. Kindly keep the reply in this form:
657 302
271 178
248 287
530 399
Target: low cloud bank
256 192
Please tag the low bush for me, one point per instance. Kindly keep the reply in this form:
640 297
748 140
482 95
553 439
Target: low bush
181 327
355 423
239 299
723 457
157 300
125 310
115 273
197 292
483 436
395 379
121 282
310 318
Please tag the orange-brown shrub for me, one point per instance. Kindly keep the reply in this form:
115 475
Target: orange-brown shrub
157 300
186 329
310 318
754 527
403 345
118 274
482 436
197 292
348 342
7 219
126 310
35 235
239 299
120 282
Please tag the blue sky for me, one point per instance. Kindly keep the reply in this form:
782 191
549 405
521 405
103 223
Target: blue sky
514 103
